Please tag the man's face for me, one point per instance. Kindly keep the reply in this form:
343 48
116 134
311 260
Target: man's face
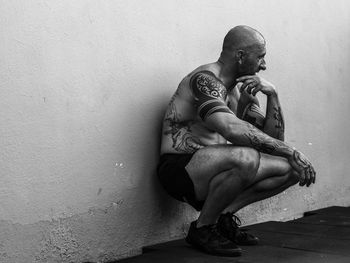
253 60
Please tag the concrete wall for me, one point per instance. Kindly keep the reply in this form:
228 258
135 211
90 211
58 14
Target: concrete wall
83 87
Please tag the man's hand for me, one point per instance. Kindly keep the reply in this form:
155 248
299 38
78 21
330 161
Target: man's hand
304 168
254 83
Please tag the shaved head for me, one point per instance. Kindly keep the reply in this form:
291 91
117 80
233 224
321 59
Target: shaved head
243 51
242 37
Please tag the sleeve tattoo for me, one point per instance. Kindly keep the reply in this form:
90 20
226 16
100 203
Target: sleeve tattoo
262 142
279 121
209 93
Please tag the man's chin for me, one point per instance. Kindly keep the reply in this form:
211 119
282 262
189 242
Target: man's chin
248 73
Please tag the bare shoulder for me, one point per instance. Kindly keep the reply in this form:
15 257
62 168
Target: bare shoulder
203 77
206 83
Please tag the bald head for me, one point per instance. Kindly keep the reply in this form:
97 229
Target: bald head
243 52
242 37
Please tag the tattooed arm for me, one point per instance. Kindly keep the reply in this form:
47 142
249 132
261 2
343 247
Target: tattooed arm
210 95
273 123
242 133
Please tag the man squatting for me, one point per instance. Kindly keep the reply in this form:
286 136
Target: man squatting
219 152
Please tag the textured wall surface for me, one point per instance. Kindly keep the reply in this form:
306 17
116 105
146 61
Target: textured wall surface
84 85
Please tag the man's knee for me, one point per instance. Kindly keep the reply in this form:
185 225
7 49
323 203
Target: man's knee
246 161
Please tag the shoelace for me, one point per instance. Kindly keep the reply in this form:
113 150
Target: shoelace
236 222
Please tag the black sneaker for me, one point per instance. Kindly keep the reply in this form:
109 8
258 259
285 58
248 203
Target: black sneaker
208 239
228 226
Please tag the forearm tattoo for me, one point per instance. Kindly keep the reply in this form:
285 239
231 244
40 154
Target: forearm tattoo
183 139
274 123
262 142
278 117
279 121
253 115
210 94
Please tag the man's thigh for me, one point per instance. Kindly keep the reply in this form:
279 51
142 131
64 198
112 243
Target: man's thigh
213 160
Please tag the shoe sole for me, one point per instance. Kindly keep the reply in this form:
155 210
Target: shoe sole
217 252
251 243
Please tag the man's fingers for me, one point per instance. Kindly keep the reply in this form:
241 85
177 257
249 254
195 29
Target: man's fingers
310 173
245 84
250 87
302 178
307 177
256 90
314 175
307 172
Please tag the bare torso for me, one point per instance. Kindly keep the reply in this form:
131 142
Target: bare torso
183 130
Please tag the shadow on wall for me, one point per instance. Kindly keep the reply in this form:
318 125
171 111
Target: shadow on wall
170 217
147 215
168 210
165 203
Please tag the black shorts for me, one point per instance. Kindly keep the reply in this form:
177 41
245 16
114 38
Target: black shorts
175 179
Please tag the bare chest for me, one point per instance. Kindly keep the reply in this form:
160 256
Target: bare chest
232 100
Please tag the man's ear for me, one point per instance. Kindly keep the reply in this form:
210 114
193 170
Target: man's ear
239 56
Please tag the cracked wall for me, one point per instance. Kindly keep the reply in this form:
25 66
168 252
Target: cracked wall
84 86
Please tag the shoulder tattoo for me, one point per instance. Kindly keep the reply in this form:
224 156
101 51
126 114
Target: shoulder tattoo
209 93
209 85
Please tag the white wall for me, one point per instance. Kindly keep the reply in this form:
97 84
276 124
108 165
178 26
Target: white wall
83 87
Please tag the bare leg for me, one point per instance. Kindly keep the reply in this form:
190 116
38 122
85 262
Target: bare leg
259 191
219 175
225 187
224 174
265 188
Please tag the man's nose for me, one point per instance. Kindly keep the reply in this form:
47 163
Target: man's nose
262 65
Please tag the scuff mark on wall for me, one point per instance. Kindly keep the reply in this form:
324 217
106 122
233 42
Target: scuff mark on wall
60 243
90 236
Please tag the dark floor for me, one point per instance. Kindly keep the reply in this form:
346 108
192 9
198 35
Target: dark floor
320 236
